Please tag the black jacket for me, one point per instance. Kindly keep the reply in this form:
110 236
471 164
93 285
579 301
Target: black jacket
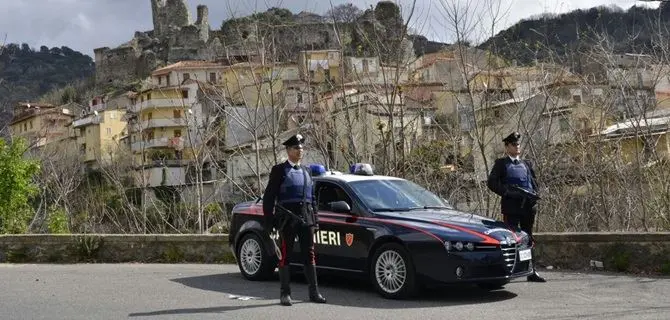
512 203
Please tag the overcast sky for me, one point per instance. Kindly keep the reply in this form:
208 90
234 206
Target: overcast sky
87 24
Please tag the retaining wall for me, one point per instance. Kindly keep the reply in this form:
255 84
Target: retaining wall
647 253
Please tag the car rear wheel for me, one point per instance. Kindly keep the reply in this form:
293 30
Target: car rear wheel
253 260
392 272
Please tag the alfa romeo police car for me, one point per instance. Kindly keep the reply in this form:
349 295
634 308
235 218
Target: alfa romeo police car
391 231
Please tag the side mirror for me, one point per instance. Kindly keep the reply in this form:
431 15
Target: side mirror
340 207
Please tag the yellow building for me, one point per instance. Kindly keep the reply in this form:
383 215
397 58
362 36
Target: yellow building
319 66
40 124
98 135
167 127
638 141
252 84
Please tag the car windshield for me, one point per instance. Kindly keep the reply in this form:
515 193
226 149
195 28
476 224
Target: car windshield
397 195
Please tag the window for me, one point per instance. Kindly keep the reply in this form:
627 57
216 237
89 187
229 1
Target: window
212 77
149 116
109 131
177 133
328 193
31 124
187 76
25 126
396 195
184 94
160 80
167 80
176 114
149 96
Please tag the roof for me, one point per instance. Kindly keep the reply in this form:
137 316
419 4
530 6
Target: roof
193 64
661 123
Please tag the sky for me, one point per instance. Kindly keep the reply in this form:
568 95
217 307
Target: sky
84 25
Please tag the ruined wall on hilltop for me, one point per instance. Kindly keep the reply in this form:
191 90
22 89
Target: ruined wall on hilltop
115 65
175 38
169 15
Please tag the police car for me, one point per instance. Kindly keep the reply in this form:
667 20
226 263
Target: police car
391 231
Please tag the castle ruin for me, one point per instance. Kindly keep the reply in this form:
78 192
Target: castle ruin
176 38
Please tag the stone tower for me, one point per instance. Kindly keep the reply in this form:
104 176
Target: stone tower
169 15
202 22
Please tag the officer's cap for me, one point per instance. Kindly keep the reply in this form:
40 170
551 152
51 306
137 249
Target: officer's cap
512 138
294 140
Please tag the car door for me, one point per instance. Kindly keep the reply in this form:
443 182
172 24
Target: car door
344 238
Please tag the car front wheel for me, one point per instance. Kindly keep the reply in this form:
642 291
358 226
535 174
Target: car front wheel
392 272
253 260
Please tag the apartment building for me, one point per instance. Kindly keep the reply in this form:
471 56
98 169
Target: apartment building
100 128
41 124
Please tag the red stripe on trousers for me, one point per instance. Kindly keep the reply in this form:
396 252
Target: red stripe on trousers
282 261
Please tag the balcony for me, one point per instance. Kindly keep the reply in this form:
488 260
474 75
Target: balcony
86 121
157 123
163 103
159 143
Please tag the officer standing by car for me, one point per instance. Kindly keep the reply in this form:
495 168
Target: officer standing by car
513 179
289 205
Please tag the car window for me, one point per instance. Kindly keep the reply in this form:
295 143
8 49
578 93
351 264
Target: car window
329 192
396 195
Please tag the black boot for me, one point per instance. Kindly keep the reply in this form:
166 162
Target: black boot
285 290
314 295
535 277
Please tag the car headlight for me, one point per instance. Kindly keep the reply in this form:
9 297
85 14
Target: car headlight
459 246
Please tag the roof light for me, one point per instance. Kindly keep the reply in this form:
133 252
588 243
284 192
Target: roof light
317 169
364 169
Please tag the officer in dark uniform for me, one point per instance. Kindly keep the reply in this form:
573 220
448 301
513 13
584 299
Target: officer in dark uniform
289 205
513 179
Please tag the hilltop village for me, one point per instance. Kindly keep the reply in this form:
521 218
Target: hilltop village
200 113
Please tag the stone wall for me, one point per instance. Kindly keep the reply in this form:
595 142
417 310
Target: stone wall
115 65
642 253
647 253
114 248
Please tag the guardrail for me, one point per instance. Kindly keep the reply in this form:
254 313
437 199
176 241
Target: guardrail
647 253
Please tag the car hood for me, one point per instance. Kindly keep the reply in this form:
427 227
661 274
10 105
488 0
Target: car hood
449 223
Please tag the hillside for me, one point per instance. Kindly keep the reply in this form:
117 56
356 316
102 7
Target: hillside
27 74
557 37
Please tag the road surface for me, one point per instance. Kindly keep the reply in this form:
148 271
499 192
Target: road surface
188 291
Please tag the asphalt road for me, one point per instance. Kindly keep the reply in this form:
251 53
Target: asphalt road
161 291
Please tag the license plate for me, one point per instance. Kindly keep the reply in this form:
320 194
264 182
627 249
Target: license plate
525 255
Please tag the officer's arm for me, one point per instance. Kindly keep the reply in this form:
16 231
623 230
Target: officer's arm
271 192
493 181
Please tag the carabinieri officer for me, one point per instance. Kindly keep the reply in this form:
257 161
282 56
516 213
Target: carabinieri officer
289 205
513 179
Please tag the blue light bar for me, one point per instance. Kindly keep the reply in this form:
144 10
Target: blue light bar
364 169
317 169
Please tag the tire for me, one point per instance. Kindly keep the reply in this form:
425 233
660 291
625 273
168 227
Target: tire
492 285
392 261
254 262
